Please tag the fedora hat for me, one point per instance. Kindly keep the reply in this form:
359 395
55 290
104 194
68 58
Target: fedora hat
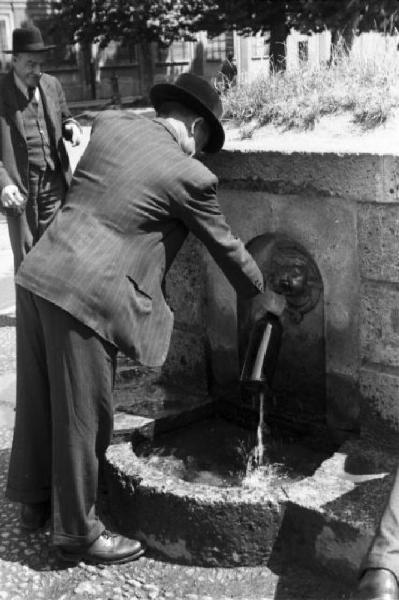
197 94
27 39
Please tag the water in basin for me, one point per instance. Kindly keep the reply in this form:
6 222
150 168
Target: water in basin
220 453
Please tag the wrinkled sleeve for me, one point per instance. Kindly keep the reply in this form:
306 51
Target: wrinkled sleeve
200 211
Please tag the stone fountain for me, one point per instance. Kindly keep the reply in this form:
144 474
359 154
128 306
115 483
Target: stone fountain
324 231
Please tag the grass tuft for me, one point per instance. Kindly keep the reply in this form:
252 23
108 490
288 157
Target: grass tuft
366 86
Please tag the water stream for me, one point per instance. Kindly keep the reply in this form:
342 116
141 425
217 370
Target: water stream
259 450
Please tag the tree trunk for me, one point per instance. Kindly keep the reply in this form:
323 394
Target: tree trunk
89 68
146 66
278 37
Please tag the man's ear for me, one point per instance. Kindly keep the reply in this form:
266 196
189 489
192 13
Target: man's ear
197 120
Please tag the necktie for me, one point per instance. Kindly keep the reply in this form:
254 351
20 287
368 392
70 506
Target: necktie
31 93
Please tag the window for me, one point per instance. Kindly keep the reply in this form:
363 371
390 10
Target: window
216 47
5 40
303 51
259 46
177 52
117 54
126 53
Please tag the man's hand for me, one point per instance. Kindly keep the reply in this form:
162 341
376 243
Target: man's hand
72 133
11 198
269 301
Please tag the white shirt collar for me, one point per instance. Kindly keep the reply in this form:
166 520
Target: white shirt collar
24 88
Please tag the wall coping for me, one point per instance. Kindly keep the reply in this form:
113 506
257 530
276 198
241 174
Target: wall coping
332 134
258 148
362 177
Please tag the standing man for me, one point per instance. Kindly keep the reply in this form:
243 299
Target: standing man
380 569
34 165
93 285
229 70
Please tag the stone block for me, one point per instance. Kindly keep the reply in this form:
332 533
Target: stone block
380 407
379 316
342 405
185 284
364 177
186 364
391 178
378 235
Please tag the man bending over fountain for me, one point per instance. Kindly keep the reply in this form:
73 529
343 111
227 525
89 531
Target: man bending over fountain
93 286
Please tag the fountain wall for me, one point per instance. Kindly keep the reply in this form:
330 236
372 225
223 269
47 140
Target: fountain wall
344 211
338 216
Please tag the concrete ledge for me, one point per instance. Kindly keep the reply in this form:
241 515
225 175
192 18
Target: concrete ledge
361 177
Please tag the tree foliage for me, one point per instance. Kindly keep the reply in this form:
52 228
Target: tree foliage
250 16
351 17
141 22
346 18
132 21
167 20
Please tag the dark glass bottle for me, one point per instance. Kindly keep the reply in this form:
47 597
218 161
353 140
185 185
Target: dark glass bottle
262 352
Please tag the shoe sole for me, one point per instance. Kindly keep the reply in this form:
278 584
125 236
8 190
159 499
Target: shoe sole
76 558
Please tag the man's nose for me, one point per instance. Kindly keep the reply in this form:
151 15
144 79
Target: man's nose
37 69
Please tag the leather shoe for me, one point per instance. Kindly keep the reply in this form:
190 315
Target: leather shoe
109 548
377 584
34 516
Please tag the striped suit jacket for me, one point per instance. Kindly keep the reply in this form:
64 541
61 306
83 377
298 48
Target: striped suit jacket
133 198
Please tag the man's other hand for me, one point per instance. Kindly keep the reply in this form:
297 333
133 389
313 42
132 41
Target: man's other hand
11 198
72 133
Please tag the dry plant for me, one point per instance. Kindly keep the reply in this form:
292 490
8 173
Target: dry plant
367 86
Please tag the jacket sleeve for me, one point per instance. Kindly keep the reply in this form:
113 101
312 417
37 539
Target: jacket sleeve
5 178
66 116
201 213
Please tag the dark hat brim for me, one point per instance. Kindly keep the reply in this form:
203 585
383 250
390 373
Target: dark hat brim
162 92
33 50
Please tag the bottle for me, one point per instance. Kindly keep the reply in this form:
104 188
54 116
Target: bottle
262 352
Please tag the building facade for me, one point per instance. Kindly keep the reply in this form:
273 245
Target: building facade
118 71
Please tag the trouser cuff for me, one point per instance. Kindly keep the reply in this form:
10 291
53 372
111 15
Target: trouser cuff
72 541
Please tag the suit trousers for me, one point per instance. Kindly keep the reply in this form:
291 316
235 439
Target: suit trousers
47 190
384 550
64 417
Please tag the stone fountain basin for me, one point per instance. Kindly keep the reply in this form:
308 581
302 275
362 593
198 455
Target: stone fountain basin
321 513
184 493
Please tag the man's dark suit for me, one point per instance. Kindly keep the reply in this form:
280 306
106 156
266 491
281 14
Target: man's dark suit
14 167
134 197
